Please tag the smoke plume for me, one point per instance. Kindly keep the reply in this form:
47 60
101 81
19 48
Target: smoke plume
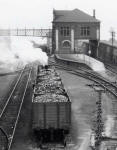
15 52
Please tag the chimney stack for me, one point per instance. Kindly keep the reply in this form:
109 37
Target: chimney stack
94 13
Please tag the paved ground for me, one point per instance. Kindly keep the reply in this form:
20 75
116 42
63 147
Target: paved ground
84 109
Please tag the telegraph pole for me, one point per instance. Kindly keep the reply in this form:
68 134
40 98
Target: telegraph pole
112 32
112 36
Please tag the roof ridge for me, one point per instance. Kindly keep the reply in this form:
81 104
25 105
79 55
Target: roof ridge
75 15
61 10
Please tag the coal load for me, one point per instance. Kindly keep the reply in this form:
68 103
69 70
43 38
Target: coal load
51 107
48 81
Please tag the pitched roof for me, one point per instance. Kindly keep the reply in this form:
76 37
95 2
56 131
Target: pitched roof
75 15
109 43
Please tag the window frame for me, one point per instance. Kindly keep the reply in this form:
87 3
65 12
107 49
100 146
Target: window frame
65 31
85 31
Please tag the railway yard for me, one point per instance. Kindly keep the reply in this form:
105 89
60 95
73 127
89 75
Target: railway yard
58 86
60 102
92 113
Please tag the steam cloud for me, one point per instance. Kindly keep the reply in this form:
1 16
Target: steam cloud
18 51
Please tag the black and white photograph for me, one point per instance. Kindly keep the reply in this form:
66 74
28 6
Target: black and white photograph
58 75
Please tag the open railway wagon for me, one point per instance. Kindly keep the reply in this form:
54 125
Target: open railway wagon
51 110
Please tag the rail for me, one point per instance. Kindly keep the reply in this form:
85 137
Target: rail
10 143
10 114
89 74
111 68
100 82
11 94
108 86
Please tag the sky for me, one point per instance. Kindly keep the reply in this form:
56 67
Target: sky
39 13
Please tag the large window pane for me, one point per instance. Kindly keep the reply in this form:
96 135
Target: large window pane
65 31
85 31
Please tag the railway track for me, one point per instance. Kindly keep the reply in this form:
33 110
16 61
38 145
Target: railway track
10 114
112 69
10 94
11 73
91 75
99 81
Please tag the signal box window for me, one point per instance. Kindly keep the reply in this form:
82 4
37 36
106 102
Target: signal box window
65 31
85 31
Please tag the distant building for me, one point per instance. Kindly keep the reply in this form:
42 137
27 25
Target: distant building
70 26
